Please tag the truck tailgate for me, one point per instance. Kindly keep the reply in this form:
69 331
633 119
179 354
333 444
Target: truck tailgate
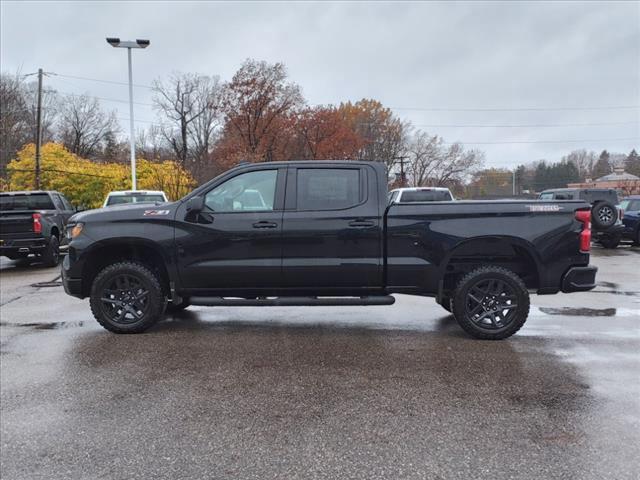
15 222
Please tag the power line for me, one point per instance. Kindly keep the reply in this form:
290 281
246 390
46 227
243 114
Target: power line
112 82
68 94
532 125
519 109
547 141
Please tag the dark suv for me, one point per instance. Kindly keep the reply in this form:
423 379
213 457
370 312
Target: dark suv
606 215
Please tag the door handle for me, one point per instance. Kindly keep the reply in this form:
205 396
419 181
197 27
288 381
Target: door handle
361 222
265 224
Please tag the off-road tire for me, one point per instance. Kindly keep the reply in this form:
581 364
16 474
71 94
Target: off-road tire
51 254
155 298
604 215
514 284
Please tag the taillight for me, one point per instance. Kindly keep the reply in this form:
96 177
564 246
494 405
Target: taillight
584 216
37 223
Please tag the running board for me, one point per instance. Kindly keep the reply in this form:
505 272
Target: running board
291 301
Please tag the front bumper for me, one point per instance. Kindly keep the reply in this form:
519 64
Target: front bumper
579 279
72 286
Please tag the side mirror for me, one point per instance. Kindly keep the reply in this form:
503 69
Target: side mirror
195 204
79 208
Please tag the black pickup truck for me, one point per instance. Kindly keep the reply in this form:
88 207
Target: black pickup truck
33 222
322 233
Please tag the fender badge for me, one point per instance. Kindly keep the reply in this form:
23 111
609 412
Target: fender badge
154 213
544 208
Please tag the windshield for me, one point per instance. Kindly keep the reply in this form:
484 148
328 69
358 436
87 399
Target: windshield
425 196
26 201
134 198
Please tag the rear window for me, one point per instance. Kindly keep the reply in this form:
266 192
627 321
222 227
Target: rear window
425 196
35 201
328 188
120 199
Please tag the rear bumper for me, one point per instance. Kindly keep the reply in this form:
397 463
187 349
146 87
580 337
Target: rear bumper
613 231
579 279
13 246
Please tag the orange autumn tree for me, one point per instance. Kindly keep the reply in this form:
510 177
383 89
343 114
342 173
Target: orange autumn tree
324 134
259 106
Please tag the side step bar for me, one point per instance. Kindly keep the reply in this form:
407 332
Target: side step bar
292 301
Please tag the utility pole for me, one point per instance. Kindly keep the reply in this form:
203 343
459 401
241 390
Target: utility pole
514 183
38 128
402 177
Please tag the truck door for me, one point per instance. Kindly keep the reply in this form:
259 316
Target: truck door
235 242
332 231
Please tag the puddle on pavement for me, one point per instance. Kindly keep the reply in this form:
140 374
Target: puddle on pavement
44 325
579 312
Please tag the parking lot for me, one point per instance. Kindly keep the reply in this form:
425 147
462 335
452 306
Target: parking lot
310 392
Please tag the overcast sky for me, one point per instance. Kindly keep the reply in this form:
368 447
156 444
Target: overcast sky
439 65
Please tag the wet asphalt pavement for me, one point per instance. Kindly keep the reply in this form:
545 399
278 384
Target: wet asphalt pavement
393 392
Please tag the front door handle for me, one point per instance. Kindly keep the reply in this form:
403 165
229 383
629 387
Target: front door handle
265 224
361 222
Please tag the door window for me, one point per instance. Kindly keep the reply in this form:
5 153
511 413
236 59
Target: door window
247 192
57 202
65 202
328 188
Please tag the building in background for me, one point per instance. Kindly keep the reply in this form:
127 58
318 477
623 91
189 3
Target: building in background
625 183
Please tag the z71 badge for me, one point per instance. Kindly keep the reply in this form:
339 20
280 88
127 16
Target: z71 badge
155 213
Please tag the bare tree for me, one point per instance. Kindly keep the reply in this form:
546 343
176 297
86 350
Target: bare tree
152 145
583 160
191 103
432 162
84 126
14 118
424 152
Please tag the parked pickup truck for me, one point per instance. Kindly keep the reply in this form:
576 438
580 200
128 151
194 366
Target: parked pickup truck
33 222
325 235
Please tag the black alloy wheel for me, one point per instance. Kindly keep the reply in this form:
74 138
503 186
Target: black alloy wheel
125 300
491 303
127 297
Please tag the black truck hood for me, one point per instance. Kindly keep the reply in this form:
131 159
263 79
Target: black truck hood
125 212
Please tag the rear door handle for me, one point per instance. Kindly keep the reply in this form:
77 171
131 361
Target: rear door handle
265 224
360 222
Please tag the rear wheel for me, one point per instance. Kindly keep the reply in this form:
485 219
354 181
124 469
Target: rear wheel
127 297
491 303
51 254
610 242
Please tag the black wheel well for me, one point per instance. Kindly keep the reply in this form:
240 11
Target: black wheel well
493 252
113 253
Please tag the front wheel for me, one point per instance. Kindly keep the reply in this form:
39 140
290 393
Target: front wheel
126 297
491 303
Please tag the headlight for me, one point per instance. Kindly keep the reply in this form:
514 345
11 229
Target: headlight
74 230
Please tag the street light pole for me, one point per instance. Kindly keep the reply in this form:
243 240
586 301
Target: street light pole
115 42
132 142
